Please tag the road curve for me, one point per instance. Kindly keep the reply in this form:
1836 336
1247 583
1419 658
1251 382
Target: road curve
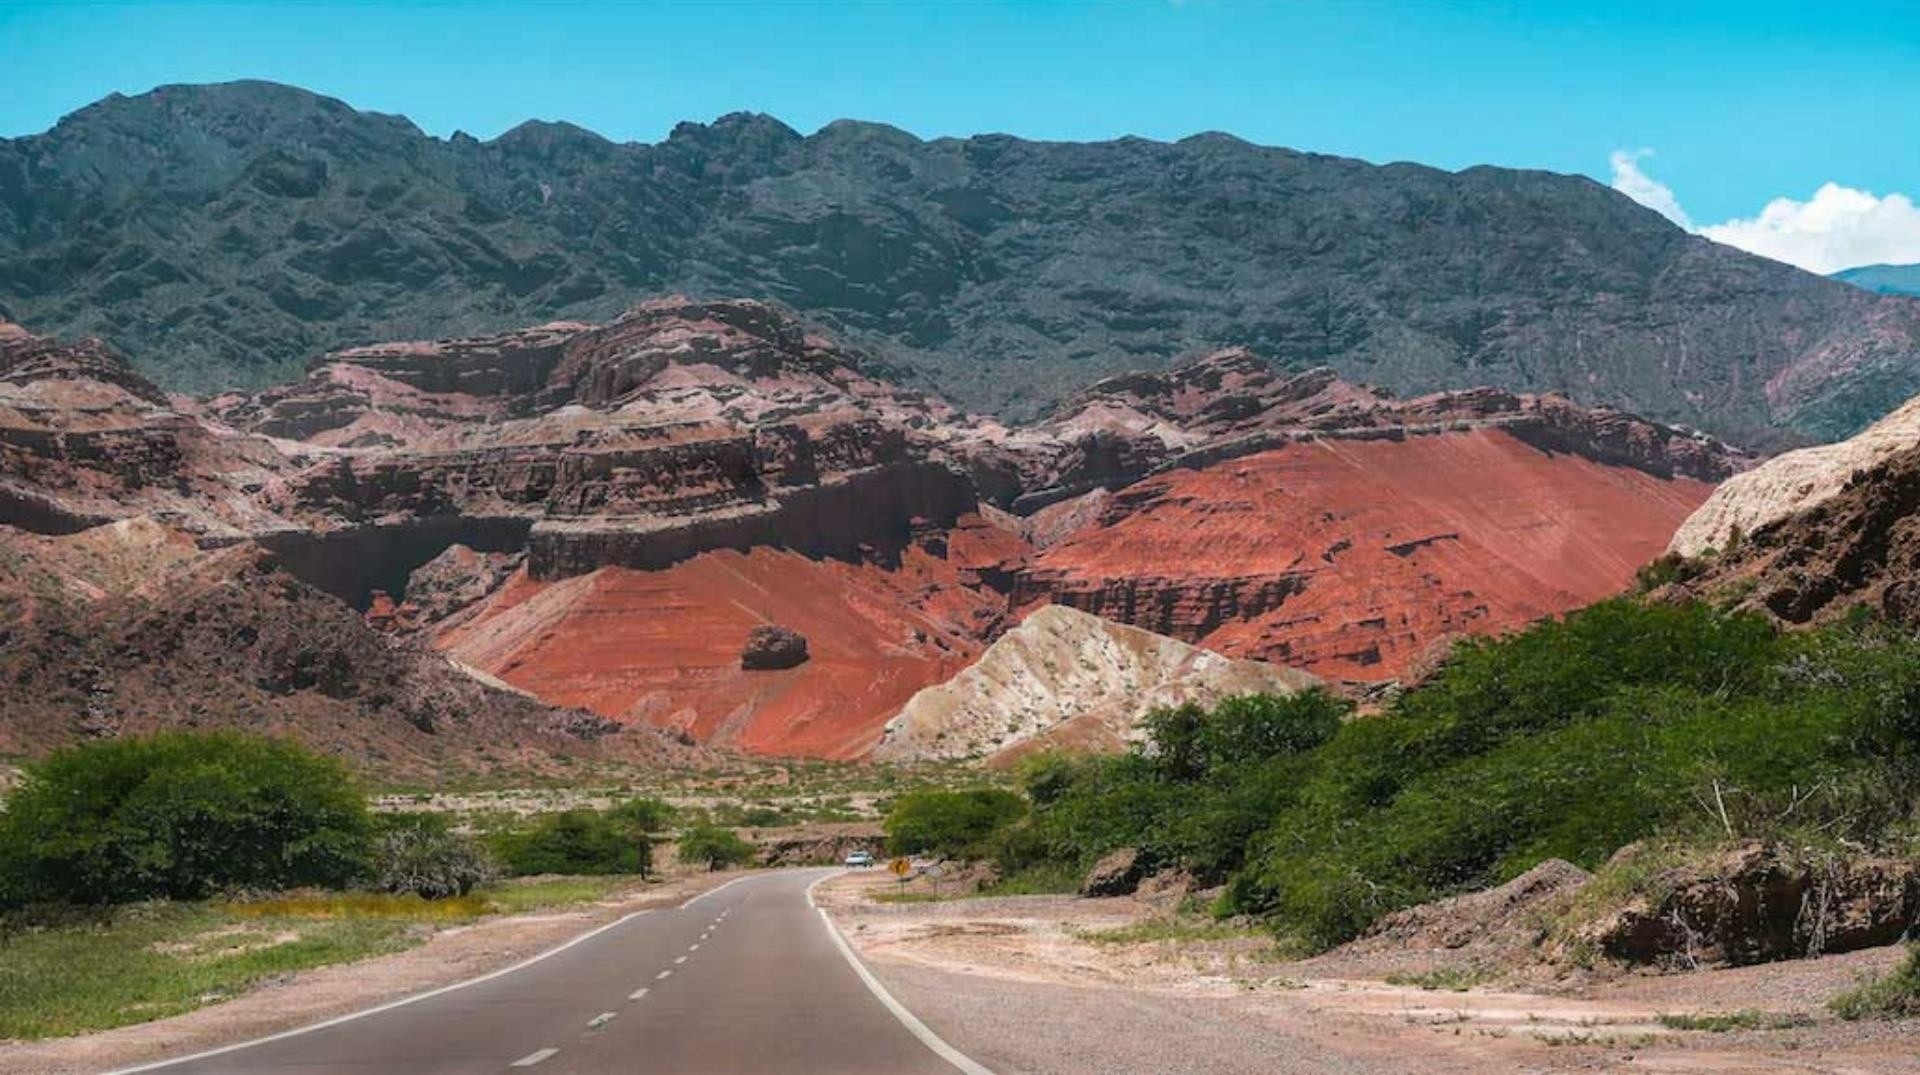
748 979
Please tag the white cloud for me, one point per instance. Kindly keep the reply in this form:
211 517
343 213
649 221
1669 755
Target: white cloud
1838 228
1628 179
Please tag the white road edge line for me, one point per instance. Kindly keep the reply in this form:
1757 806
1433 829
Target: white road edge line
531 1059
907 1019
637 994
387 1007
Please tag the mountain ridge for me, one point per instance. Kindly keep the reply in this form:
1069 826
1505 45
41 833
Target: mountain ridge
225 235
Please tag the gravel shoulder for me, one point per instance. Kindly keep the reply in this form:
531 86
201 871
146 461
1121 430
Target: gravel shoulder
452 954
1028 986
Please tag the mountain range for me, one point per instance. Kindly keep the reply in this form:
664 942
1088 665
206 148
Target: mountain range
1885 279
224 235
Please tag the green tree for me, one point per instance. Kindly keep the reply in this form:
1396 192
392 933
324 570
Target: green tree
956 823
180 815
715 846
644 820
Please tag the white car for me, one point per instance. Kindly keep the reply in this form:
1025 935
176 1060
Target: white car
860 860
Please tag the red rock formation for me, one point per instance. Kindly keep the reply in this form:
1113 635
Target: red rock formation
1349 557
664 646
628 500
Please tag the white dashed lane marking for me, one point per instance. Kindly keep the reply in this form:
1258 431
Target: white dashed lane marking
531 1059
693 948
600 1020
679 960
663 974
637 994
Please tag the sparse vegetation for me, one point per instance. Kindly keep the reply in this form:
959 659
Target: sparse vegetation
1169 928
1443 979
1894 995
152 960
1744 1019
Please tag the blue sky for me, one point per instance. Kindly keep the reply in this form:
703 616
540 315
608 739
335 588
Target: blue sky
1741 103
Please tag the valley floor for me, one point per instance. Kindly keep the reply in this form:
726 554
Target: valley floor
1054 985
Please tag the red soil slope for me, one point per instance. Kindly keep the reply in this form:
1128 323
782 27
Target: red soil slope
664 646
1349 558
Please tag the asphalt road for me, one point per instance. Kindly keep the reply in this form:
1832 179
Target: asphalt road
748 979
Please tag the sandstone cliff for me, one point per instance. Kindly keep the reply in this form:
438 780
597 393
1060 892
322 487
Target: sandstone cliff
1063 678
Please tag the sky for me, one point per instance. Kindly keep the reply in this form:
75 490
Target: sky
1787 129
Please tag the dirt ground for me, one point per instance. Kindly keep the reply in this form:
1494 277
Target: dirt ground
451 955
1028 986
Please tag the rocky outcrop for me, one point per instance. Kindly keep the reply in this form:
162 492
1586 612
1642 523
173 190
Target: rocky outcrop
1793 482
818 845
1065 678
1858 547
1116 874
130 631
1754 903
85 441
1229 403
771 648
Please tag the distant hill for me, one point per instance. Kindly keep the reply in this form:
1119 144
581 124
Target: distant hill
1886 279
221 235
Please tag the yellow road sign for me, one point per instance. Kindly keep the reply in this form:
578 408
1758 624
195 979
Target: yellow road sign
899 867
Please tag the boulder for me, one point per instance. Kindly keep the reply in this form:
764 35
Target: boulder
1117 874
771 647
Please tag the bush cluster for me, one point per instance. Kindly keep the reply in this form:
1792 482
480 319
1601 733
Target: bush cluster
180 816
617 840
1568 740
185 816
420 854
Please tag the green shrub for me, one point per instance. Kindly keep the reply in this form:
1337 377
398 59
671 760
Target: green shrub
959 824
180 815
420 854
586 842
715 846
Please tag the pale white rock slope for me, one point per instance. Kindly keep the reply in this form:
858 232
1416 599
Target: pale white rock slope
1070 679
1793 481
